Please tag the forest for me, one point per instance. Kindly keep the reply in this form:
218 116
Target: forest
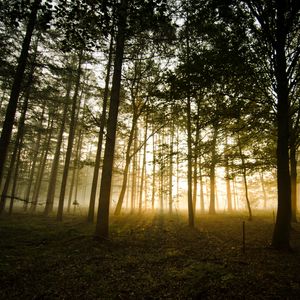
149 149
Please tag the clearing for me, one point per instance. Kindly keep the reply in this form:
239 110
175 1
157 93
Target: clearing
148 256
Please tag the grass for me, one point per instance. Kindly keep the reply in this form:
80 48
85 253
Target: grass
148 256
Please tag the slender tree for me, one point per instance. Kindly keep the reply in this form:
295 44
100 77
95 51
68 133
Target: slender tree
16 87
70 138
102 224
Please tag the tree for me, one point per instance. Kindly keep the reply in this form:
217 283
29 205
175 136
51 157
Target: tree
101 133
70 137
102 224
276 29
16 87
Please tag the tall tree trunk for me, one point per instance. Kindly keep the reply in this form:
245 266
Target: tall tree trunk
13 192
153 173
20 131
235 197
212 173
70 140
77 168
189 134
244 172
202 206
143 172
261 175
72 185
227 176
16 88
177 167
42 166
161 173
195 175
35 160
134 171
293 158
171 169
102 225
128 158
55 163
19 137
190 163
91 212
281 234
76 158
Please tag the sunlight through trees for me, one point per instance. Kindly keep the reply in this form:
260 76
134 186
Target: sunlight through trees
125 107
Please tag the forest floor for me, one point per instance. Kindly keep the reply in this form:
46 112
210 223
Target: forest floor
148 256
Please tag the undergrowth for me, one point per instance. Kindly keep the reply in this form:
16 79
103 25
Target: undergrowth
148 256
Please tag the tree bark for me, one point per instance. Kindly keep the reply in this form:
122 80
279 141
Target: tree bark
263 189
153 173
293 159
35 159
15 181
91 212
19 137
212 175
134 171
127 164
171 169
42 166
143 172
70 141
55 163
102 225
227 177
16 88
281 234
195 175
244 172
202 206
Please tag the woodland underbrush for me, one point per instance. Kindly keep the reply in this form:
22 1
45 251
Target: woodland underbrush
148 256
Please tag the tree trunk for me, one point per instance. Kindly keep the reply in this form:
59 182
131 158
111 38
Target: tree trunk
195 175
76 158
35 159
75 169
13 192
293 158
202 206
126 168
102 224
263 189
143 172
55 163
212 175
227 176
91 212
161 173
171 169
281 234
244 172
134 171
19 137
235 198
70 140
153 173
41 169
177 167
16 88
189 131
